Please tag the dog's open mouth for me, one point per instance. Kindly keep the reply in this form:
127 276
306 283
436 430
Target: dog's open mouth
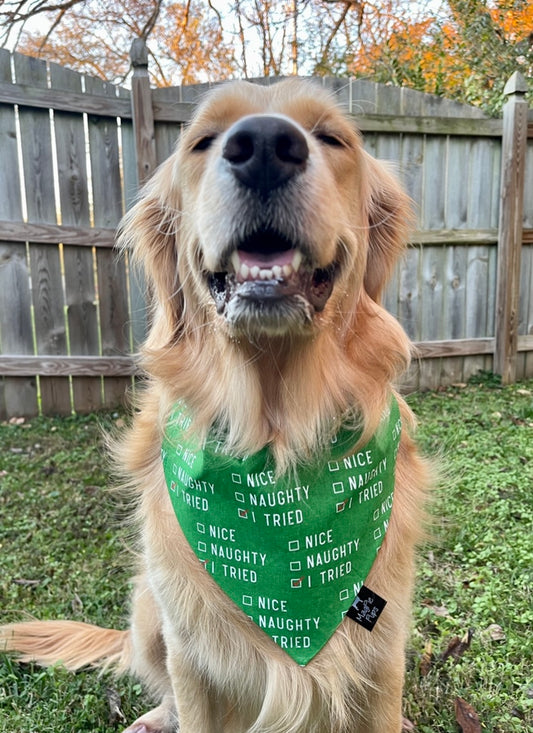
267 269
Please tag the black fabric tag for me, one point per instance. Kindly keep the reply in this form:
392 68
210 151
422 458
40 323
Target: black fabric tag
367 608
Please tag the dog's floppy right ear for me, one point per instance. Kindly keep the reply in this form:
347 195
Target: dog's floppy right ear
150 233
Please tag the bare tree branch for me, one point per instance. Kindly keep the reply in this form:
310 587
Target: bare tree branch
242 38
325 51
52 28
152 20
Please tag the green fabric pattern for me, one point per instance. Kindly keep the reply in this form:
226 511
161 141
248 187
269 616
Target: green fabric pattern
291 553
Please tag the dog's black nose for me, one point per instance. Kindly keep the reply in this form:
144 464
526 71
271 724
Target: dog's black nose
265 151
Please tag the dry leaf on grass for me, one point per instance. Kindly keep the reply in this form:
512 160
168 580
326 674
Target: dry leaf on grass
457 647
427 659
495 632
466 716
26 582
115 713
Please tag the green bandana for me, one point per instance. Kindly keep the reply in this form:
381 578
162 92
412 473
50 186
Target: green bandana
292 557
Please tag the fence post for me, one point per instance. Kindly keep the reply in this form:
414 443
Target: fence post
510 227
143 116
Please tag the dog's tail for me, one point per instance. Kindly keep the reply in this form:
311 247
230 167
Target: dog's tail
70 643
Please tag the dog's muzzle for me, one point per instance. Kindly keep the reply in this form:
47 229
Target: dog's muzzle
267 282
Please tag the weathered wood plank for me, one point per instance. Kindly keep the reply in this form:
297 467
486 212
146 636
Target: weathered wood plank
179 112
66 101
166 133
126 365
432 204
510 226
81 366
143 113
36 145
411 165
111 273
408 305
45 268
8 147
136 283
482 184
18 396
441 126
479 299
455 191
18 231
525 319
80 286
363 97
432 293
19 393
455 308
454 347
528 187
50 325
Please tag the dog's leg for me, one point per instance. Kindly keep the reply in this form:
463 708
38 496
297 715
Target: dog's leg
149 662
199 708
382 709
149 649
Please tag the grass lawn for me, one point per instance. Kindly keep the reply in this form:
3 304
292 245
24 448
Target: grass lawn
64 553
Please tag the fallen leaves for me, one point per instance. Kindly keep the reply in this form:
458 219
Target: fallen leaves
116 715
441 611
26 582
466 716
427 659
457 647
495 632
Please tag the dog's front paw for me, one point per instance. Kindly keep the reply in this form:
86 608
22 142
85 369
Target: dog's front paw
159 720
139 727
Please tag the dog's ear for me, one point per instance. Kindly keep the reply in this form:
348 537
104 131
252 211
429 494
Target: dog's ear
389 213
150 233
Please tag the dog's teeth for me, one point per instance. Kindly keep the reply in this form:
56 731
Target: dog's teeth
266 275
254 272
236 261
244 272
277 272
287 270
296 260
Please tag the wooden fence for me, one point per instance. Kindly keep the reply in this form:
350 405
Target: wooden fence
73 149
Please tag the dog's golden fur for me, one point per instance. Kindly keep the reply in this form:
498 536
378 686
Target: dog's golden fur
283 382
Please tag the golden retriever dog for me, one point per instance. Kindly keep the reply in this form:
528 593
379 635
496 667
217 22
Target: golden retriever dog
266 239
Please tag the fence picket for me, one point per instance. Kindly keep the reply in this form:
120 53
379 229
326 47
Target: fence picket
80 287
45 266
111 272
18 395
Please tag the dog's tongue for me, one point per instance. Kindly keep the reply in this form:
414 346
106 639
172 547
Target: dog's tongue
262 260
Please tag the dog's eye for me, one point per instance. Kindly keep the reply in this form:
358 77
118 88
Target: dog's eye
203 143
331 140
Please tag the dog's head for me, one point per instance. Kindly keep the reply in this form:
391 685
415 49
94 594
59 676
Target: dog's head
269 218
